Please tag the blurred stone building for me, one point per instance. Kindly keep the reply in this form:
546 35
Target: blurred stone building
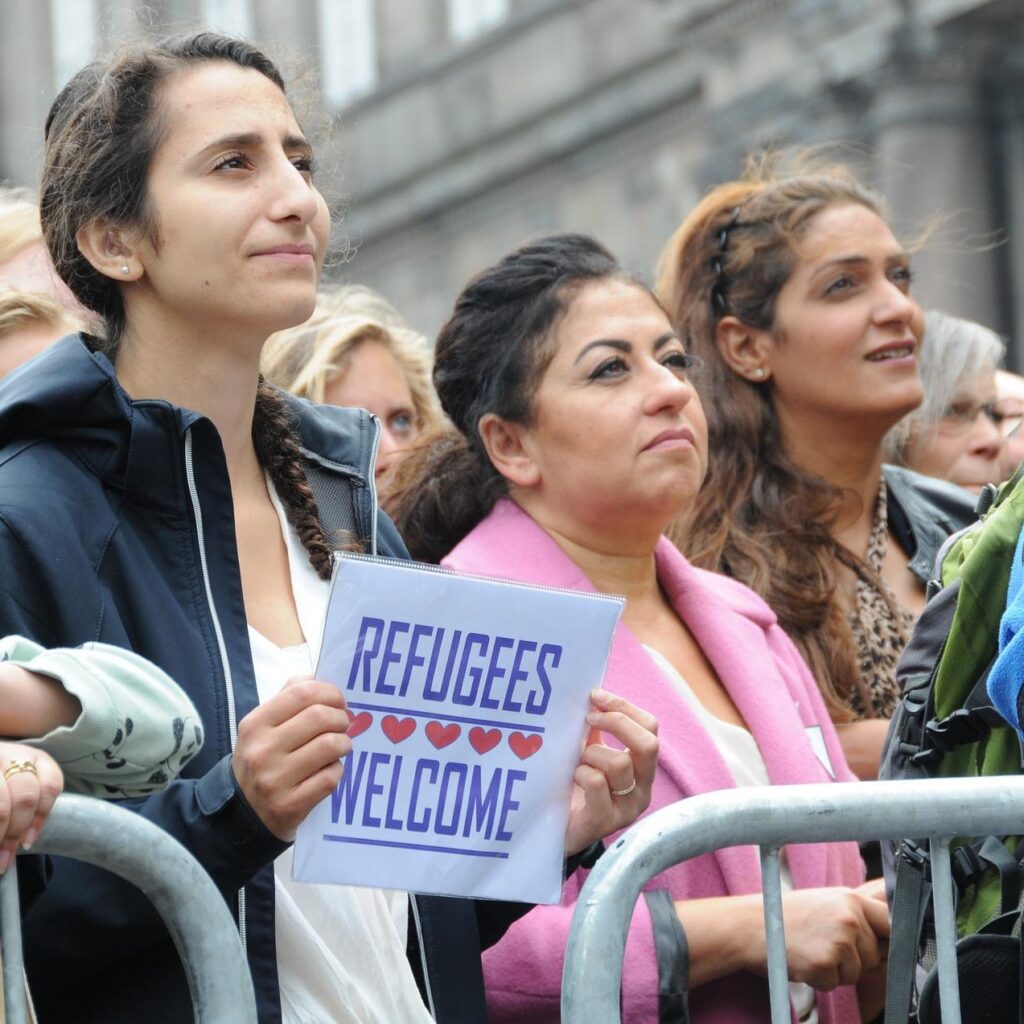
460 128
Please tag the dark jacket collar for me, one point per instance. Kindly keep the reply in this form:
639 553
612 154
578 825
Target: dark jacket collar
70 394
923 512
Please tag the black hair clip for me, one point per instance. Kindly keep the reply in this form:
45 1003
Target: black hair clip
718 303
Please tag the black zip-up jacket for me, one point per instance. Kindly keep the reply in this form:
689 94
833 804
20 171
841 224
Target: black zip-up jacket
116 525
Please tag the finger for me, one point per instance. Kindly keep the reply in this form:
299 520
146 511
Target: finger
305 796
290 807
319 785
23 788
295 680
615 765
641 743
307 724
876 914
51 785
5 815
292 699
849 968
597 797
868 951
873 888
320 752
603 700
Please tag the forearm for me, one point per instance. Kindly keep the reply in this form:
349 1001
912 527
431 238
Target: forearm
862 744
32 704
724 934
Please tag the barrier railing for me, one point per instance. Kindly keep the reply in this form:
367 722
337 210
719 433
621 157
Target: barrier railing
181 891
771 817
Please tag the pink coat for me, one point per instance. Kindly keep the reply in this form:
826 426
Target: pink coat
759 667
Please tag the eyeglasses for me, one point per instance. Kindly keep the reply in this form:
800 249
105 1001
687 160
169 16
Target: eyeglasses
959 417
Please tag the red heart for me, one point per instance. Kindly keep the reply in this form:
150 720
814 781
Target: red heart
359 723
441 735
525 746
398 730
483 740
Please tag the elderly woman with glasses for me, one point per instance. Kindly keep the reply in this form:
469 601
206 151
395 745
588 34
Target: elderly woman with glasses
955 433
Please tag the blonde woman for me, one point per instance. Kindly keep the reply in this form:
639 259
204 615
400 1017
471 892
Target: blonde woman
30 322
24 261
355 350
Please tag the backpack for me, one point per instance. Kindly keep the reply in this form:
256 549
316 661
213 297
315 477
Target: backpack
945 726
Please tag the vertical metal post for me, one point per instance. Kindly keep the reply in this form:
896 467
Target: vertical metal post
15 1004
775 936
945 931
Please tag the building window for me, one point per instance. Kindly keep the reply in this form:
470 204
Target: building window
73 35
348 49
232 17
469 18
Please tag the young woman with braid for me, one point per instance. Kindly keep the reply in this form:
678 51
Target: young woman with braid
796 294
156 494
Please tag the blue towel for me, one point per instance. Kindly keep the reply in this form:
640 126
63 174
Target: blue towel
1006 680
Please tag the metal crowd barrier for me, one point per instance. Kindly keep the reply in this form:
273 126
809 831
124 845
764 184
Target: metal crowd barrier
770 818
194 911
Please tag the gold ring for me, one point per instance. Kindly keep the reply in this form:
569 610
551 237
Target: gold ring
625 792
20 766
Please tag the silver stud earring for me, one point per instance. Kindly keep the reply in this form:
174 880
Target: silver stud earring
125 269
759 373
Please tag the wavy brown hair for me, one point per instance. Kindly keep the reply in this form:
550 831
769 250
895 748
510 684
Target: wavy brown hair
760 517
101 134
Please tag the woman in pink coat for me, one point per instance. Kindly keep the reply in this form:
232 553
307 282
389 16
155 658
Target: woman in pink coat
580 438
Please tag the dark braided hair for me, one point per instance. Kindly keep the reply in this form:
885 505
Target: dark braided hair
490 357
101 134
277 447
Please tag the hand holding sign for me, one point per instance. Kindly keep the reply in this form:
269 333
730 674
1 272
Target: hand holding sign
613 787
289 751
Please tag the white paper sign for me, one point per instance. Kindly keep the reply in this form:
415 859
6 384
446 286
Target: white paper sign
468 699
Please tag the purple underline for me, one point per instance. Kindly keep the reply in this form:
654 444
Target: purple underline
415 846
409 713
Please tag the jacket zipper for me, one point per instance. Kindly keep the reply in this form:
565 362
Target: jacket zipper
423 953
218 633
373 484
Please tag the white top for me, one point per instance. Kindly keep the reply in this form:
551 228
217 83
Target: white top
743 758
340 949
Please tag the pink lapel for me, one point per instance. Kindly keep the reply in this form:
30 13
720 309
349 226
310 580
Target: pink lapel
737 648
508 543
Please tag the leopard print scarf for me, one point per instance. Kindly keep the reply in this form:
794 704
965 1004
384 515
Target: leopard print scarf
881 626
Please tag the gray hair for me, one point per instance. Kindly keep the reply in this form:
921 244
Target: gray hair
954 353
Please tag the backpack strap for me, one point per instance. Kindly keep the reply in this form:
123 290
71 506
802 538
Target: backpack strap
968 724
993 851
909 903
